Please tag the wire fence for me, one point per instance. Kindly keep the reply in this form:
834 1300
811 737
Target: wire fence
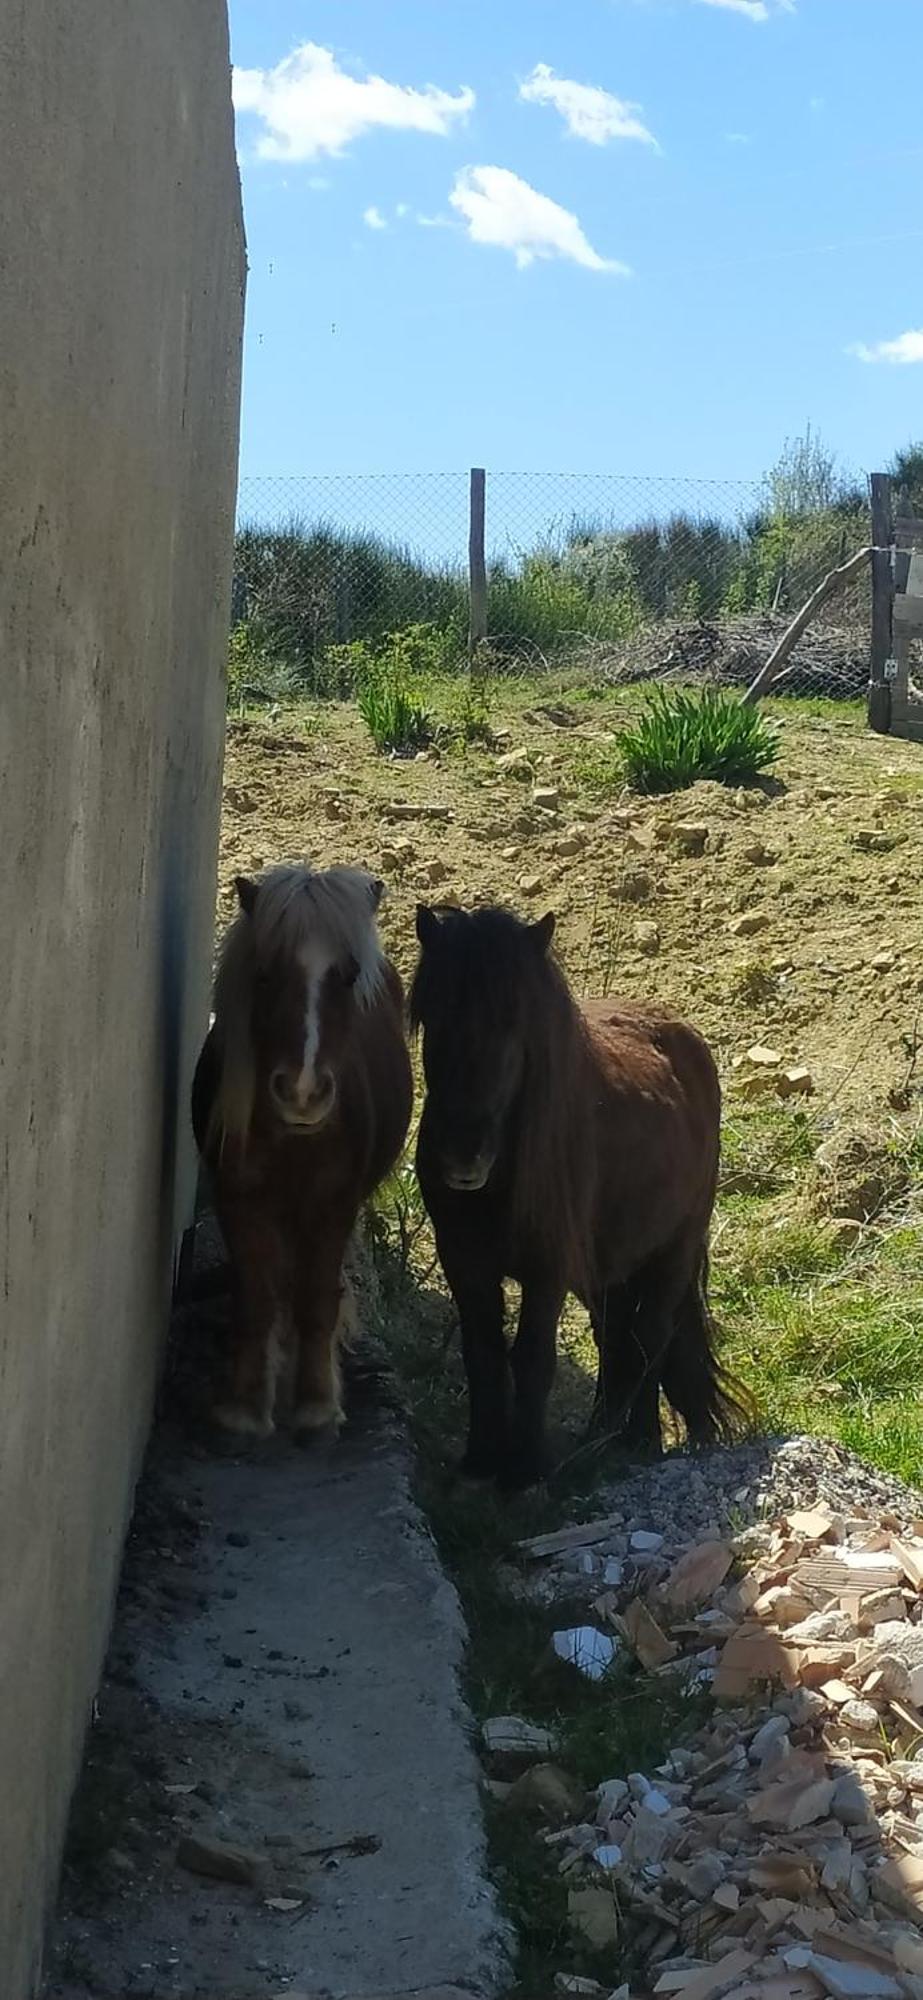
636 577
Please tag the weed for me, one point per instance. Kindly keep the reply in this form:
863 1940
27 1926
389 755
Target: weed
686 735
393 714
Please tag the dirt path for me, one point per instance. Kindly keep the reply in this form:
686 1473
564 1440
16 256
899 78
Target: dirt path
283 1678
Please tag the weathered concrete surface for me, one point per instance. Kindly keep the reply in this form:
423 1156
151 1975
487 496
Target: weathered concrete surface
120 311
293 1683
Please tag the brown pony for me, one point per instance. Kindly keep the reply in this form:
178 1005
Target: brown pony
574 1149
300 1105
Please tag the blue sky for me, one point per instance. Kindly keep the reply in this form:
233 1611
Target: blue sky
437 224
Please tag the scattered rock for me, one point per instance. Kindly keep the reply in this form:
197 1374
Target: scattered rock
515 764
647 939
546 797
434 872
748 924
515 1740
690 837
592 1914
407 809
530 885
797 1081
548 1792
220 1860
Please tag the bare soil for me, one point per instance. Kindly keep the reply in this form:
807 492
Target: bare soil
823 860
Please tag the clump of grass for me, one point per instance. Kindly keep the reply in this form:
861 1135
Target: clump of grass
390 695
395 716
472 708
685 735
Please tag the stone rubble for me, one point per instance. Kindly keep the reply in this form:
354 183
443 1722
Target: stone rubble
778 1855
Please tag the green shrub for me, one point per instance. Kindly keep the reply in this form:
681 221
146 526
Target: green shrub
390 695
254 675
684 736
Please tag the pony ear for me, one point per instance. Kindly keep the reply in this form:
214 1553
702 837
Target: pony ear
376 890
427 925
543 932
247 893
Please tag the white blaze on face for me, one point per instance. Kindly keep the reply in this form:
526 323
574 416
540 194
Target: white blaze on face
316 962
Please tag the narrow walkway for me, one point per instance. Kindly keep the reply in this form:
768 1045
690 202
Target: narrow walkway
283 1679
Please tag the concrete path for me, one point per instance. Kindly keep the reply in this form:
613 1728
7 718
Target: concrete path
283 1679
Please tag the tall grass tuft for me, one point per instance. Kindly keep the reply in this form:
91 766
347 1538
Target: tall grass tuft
686 735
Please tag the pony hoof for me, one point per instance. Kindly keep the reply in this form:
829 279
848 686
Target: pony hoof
243 1422
311 1418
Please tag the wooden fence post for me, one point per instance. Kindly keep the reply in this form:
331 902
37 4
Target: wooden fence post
477 566
879 690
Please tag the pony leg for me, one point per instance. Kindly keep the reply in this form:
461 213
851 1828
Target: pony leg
321 1308
534 1359
256 1331
635 1327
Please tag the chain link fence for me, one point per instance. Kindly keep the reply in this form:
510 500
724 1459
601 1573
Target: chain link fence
629 577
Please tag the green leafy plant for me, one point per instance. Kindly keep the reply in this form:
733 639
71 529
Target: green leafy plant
687 735
390 697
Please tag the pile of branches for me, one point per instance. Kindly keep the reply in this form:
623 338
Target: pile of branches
827 659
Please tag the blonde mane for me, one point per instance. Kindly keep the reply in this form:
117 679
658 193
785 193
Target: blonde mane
331 909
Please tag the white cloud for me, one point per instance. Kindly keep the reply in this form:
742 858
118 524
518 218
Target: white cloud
753 10
309 106
502 210
901 352
373 218
434 221
402 209
588 111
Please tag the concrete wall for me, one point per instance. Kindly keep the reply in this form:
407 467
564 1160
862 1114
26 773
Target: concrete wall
121 284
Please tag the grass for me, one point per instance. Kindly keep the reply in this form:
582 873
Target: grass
685 735
394 714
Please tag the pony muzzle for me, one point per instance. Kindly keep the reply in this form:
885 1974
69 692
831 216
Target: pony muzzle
304 1106
468 1179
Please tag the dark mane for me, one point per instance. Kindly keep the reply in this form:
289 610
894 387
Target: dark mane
488 975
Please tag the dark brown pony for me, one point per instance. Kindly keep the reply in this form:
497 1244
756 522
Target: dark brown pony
301 1103
574 1149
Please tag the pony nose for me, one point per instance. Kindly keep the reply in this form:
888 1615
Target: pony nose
282 1086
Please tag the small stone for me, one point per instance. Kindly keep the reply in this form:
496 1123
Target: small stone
758 855
512 1737
433 872
530 885
592 1914
647 939
850 1804
549 1793
613 1572
646 1542
607 1856
690 837
748 924
220 1860
546 797
860 1718
516 763
883 961
796 1081
611 1796
845 1981
571 842
773 1732
762 1057
706 1874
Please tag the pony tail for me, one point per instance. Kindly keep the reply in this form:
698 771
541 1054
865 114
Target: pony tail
715 1408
